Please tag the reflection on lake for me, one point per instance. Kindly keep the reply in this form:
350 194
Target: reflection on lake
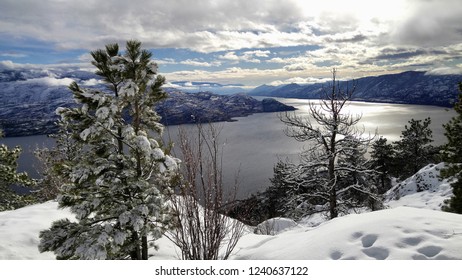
253 144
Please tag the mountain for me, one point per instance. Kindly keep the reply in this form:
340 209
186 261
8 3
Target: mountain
192 87
410 87
29 98
181 108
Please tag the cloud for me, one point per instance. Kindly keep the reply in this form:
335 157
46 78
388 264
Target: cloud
200 63
7 64
13 54
429 23
247 56
204 26
50 81
358 37
345 38
300 81
229 56
88 83
258 53
297 67
445 71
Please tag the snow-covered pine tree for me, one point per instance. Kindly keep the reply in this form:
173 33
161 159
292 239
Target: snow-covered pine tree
118 179
452 154
9 176
330 135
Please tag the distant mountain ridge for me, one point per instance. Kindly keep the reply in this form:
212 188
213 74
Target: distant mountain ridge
29 98
412 87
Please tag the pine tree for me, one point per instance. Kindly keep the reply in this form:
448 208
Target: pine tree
452 154
54 162
382 157
9 176
329 131
357 171
414 151
116 183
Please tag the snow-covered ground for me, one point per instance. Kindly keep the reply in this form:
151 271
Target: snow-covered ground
425 189
412 227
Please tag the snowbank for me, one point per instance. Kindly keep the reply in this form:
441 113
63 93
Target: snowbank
19 230
275 226
425 189
402 232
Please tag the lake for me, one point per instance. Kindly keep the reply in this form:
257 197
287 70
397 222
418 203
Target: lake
253 144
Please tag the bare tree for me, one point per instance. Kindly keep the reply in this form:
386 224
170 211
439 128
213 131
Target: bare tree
200 204
332 134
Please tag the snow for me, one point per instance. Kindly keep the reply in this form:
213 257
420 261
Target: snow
402 233
275 226
425 189
19 230
413 227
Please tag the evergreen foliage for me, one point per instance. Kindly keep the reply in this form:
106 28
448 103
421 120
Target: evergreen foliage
9 176
452 154
414 151
54 163
116 180
382 158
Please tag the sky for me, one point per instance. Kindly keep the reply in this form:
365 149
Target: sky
247 42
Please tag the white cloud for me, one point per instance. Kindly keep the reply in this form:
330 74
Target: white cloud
50 81
13 54
351 35
7 64
258 53
247 56
229 56
85 58
300 81
446 71
200 63
91 82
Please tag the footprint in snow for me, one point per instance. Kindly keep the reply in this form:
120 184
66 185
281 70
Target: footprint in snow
369 240
430 251
377 253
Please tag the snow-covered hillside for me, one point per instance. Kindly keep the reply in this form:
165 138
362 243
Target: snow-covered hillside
425 189
400 232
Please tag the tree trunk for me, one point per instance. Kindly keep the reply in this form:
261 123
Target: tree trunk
333 191
136 253
144 247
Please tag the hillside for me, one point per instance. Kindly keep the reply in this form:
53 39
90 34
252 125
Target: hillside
408 87
397 233
29 98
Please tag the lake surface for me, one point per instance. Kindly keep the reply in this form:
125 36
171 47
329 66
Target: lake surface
253 144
